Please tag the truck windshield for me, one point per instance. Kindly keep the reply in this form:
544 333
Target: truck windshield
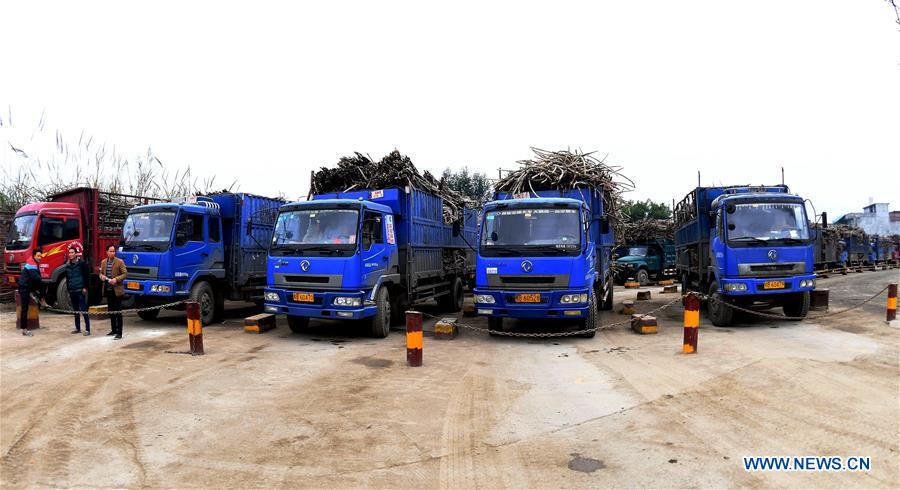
151 231
637 251
21 232
767 222
533 232
325 231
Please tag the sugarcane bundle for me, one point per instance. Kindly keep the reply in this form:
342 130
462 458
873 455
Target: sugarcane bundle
645 229
359 172
566 169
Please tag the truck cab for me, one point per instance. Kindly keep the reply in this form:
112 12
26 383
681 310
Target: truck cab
645 260
328 259
49 227
174 250
543 257
759 250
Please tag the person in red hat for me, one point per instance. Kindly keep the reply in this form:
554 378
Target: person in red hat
77 276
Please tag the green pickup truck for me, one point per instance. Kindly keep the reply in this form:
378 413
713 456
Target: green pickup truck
645 261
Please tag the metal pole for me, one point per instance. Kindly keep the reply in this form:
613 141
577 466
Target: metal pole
413 338
691 323
892 303
195 328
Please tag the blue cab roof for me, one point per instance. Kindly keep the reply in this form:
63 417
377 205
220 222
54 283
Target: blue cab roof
337 202
531 201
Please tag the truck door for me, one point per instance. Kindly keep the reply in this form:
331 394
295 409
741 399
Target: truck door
55 232
190 249
374 253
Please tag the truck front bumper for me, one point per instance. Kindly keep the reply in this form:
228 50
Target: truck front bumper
754 286
550 306
322 305
152 287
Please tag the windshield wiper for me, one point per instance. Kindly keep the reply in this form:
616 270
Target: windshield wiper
791 240
317 248
747 238
140 246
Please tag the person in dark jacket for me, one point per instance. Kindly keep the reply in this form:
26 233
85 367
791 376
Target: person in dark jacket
77 275
113 273
30 283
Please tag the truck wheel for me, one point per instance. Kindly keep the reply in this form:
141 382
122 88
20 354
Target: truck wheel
642 277
398 309
719 313
148 315
456 296
203 293
591 320
298 324
607 304
381 323
63 302
495 324
797 306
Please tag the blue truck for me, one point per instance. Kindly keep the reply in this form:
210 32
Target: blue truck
367 255
748 246
207 248
544 256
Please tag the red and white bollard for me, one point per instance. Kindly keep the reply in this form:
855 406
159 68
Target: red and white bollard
691 323
413 338
195 328
892 303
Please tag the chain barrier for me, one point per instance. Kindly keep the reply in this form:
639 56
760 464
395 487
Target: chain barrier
556 334
118 312
776 316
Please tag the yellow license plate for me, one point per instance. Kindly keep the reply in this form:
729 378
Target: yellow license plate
773 285
133 285
303 297
528 298
12 279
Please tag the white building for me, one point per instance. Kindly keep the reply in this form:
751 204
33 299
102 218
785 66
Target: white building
874 220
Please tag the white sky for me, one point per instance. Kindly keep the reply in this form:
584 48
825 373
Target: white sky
264 94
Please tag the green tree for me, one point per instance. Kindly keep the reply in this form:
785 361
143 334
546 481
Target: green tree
638 210
474 185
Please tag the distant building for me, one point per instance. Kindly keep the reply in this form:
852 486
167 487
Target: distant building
874 220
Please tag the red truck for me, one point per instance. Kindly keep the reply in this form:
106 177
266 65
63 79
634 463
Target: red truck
90 216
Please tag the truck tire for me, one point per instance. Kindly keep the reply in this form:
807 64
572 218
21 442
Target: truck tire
719 314
797 306
63 302
495 324
298 324
148 315
203 293
457 296
591 320
381 322
643 277
398 308
607 304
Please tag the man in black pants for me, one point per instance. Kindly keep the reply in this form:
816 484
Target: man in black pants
77 277
30 282
113 273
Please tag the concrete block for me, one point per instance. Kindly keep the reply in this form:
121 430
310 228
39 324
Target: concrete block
97 312
446 329
627 307
260 323
643 295
672 288
818 300
643 324
667 282
468 310
632 284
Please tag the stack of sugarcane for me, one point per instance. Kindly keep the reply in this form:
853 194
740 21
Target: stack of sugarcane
645 229
844 232
394 170
561 170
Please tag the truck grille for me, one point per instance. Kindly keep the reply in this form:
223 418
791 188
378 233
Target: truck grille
772 270
13 267
527 281
307 279
142 272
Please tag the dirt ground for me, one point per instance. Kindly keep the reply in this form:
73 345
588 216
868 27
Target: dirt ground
333 408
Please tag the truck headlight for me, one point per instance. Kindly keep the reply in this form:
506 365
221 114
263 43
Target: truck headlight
573 298
272 296
485 299
808 283
346 301
735 286
160 288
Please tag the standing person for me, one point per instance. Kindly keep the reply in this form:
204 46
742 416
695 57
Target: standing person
112 273
30 283
77 275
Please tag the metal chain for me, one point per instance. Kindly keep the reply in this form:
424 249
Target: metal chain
785 317
557 334
118 312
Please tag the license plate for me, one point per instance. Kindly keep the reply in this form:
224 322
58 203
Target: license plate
12 279
303 297
773 285
133 285
528 298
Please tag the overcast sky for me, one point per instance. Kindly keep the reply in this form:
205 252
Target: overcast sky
265 93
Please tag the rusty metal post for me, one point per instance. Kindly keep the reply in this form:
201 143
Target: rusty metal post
818 299
413 338
195 328
33 320
691 323
892 303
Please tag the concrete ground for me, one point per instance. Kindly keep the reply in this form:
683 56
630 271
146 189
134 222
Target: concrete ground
333 408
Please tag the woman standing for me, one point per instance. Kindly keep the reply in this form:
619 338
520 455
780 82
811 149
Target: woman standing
112 273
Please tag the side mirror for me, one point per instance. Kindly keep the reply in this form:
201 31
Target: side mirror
456 228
